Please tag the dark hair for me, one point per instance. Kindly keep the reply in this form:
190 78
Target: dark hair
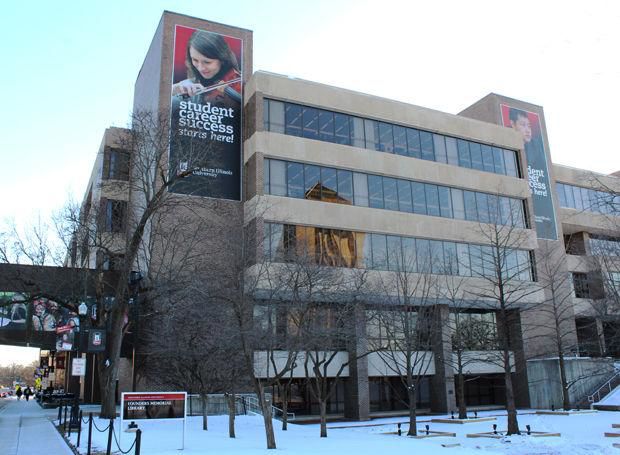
213 46
514 114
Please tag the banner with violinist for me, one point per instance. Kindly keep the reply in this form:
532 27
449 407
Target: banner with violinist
205 148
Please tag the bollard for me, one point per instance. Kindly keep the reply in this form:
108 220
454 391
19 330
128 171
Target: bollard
70 421
553 407
529 431
399 431
79 429
476 414
90 432
59 414
426 426
110 432
138 441
452 415
494 429
64 424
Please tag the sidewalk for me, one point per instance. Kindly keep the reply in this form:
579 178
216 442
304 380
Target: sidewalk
26 429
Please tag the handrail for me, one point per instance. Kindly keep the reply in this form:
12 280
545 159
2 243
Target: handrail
597 392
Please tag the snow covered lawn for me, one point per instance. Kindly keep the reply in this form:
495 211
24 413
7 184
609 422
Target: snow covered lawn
581 434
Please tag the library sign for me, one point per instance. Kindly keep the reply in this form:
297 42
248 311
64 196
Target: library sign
157 405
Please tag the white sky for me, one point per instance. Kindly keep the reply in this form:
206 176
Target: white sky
69 69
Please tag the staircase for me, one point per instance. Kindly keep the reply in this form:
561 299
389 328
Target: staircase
601 392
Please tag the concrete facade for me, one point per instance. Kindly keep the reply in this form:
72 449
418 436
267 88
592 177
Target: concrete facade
364 376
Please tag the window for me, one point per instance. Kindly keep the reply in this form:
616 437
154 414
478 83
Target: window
379 252
360 186
292 115
413 143
106 261
345 187
581 285
390 193
295 173
426 144
115 164
312 180
114 215
400 140
432 199
326 126
440 148
405 202
277 174
375 191
310 121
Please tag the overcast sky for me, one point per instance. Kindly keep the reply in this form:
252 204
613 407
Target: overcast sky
70 66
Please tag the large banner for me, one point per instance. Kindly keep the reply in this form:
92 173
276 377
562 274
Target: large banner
205 150
528 125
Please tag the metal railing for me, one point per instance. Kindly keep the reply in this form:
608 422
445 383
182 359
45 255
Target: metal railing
277 413
596 396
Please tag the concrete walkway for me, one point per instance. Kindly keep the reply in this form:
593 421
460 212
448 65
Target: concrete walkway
26 429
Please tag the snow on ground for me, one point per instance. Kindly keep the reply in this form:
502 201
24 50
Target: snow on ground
581 435
612 398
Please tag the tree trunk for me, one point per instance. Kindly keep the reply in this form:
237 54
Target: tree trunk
511 408
413 424
462 402
323 407
266 408
565 398
231 414
108 367
203 402
285 408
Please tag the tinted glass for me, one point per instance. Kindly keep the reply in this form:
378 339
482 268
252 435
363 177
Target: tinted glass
342 129
293 119
452 151
379 252
405 202
375 191
278 177
426 144
265 176
464 156
310 118
357 132
276 116
487 158
413 143
471 213
395 259
445 202
386 138
329 185
326 126
390 194
419 198
345 187
432 199
440 148
457 204
400 140
371 131
312 177
360 185
295 174
476 156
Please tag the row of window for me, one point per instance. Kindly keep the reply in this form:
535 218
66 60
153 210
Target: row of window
339 248
305 181
604 246
323 125
579 198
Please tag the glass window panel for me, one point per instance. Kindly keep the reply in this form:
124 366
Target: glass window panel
371 131
345 187
452 151
445 202
423 248
516 209
476 156
278 178
432 199
457 204
265 176
326 126
364 250
577 196
312 177
310 118
482 202
329 184
292 116
495 215
511 267
400 140
510 160
419 197
450 259
440 148
295 179
409 254
358 132
426 144
405 203
436 249
559 187
464 155
342 129
379 252
413 143
504 210
265 114
462 251
390 194
395 259
375 191
570 199
488 261
276 116
267 241
525 267
386 137
498 161
471 212
276 252
487 158
360 185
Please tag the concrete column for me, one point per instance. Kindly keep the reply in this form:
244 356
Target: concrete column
443 397
357 396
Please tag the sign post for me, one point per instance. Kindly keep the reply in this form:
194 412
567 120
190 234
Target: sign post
155 406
